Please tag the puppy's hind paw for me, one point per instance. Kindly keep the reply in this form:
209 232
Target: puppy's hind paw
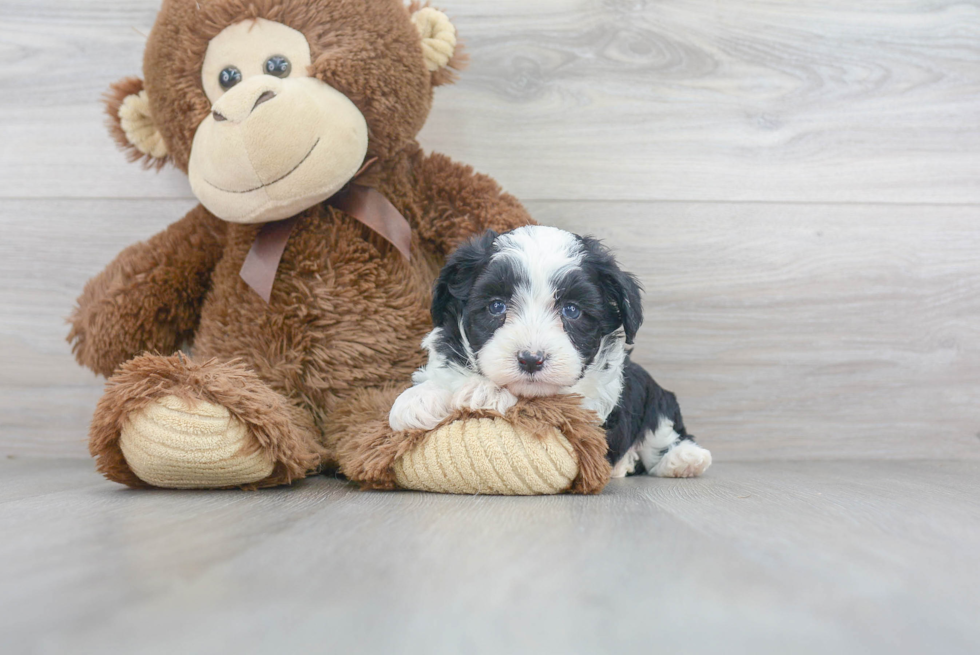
686 459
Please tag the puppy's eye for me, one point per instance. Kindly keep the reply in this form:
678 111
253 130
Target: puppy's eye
571 311
229 77
497 307
278 66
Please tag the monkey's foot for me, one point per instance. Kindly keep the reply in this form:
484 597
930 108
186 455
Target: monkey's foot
186 444
170 422
489 456
540 446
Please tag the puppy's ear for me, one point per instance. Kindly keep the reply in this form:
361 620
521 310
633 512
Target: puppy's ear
131 123
622 288
456 280
625 288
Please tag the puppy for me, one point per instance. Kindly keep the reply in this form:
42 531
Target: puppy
537 312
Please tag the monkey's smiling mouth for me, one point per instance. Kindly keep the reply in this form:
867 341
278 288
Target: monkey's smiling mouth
275 181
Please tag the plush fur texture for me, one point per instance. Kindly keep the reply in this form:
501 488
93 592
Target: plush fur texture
150 297
347 311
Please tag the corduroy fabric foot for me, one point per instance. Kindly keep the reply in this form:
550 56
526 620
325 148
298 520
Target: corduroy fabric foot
189 425
542 446
489 456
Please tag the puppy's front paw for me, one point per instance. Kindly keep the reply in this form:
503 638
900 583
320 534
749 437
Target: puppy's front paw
481 393
422 407
685 460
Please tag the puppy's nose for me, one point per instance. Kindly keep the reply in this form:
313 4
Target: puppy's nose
531 362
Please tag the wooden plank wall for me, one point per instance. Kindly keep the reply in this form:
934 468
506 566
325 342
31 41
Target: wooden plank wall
797 184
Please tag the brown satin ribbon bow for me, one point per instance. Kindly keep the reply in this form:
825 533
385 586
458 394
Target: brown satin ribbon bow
366 204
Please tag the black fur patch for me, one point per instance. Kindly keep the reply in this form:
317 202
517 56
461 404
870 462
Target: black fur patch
452 291
620 290
498 281
641 407
467 286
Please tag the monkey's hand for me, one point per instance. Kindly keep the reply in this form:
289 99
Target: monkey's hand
149 298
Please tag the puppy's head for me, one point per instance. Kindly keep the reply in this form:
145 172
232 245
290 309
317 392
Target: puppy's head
534 308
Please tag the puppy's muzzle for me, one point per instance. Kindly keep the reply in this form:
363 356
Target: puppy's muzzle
531 362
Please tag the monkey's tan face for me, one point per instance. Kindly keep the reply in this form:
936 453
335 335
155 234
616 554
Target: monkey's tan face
277 141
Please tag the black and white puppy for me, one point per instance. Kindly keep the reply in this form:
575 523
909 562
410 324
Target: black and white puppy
537 312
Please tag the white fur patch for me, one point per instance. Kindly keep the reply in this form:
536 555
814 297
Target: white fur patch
602 383
627 464
421 407
542 251
480 393
654 442
685 460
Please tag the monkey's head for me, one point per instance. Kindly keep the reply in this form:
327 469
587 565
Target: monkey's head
272 106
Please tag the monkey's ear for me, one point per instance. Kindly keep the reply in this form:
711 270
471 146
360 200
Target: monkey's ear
442 50
131 123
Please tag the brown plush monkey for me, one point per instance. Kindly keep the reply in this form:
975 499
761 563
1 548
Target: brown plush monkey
295 121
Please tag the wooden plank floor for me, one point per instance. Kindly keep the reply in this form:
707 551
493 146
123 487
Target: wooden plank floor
800 557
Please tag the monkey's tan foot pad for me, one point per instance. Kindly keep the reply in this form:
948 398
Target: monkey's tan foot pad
180 444
489 456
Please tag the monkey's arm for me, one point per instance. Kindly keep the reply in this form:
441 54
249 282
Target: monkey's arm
459 203
149 298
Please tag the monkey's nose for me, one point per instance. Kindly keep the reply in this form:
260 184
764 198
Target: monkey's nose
238 103
531 362
265 97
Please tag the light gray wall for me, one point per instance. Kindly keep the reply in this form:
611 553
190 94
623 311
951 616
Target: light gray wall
797 184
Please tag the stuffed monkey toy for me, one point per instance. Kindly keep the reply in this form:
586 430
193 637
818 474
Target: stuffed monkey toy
300 286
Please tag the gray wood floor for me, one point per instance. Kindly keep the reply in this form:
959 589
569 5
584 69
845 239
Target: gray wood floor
757 557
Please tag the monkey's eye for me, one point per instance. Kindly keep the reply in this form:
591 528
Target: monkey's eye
571 311
497 307
229 77
278 66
